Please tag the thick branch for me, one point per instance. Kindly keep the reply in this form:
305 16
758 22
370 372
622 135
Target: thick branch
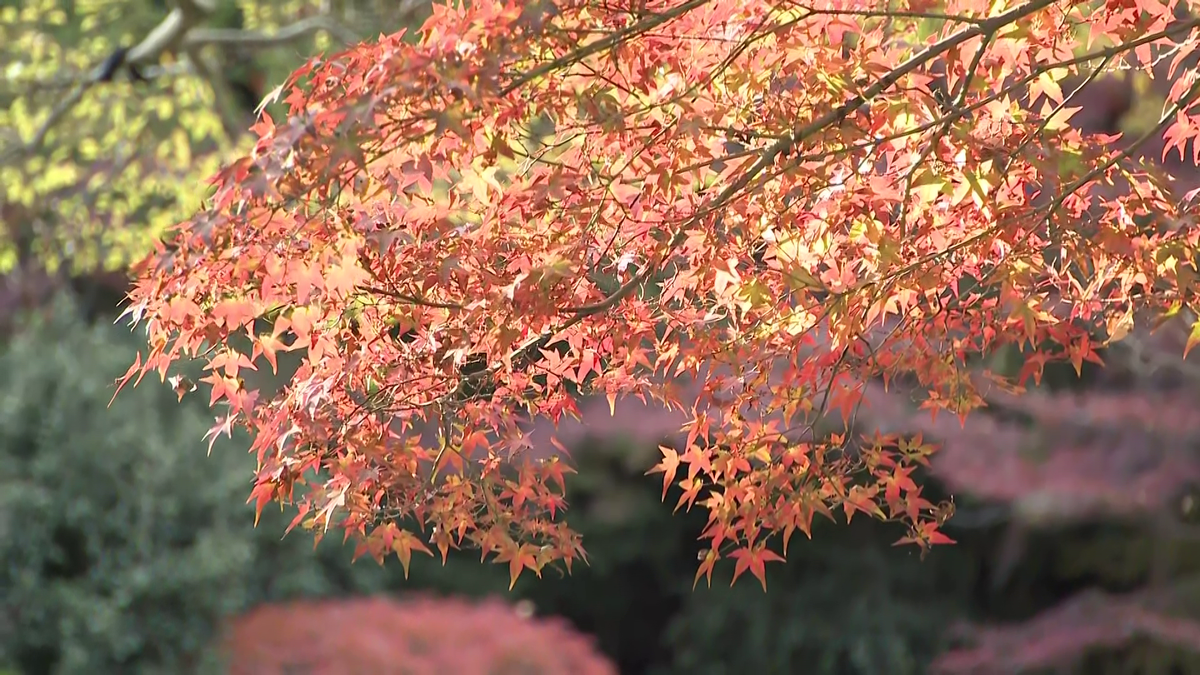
186 15
180 32
245 39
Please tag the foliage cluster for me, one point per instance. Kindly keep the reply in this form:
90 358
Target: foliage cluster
123 544
94 183
417 636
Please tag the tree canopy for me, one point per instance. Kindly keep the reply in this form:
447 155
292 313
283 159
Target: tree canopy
784 201
115 114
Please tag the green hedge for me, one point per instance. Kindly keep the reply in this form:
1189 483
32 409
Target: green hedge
125 545
123 542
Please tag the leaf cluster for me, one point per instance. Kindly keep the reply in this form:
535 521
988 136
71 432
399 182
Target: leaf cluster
895 210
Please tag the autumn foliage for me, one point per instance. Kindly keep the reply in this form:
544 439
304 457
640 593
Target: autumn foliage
376 635
787 201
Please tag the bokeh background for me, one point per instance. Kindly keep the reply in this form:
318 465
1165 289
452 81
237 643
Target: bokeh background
125 548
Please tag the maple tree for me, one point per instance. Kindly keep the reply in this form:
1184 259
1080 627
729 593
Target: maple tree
787 201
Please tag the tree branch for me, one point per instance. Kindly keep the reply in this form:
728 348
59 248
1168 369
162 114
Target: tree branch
246 39
180 32
187 15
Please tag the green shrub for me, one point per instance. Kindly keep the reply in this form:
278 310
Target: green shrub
124 544
845 603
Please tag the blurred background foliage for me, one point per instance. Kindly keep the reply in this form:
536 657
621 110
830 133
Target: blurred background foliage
417 635
120 538
91 174
127 549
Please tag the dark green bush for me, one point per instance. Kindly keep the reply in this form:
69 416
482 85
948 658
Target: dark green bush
845 603
123 543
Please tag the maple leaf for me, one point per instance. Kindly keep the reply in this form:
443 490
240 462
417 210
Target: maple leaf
181 385
268 346
224 425
667 467
519 558
754 560
403 544
1193 337
263 493
708 560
